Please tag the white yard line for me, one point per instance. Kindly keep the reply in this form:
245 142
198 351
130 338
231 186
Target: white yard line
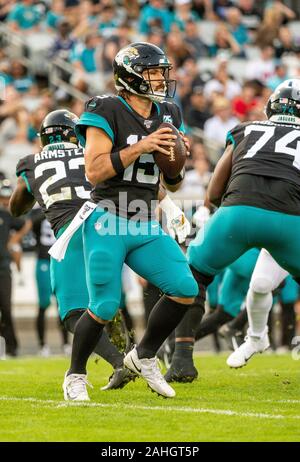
62 404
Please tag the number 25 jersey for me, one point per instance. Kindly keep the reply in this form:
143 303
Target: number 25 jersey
136 189
265 166
56 179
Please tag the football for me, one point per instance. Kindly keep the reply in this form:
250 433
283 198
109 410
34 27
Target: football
171 165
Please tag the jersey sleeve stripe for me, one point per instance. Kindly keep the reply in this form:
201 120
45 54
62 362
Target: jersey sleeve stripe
230 139
182 128
23 175
89 119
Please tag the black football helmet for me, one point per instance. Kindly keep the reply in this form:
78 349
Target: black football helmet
58 127
285 100
129 65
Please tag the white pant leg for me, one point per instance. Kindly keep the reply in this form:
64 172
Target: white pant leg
266 277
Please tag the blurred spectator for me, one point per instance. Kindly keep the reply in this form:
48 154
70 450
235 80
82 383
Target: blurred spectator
286 13
257 113
132 9
177 50
157 37
281 74
221 7
24 16
269 29
34 125
237 29
56 14
204 9
245 102
262 68
222 84
21 80
108 22
285 43
87 20
155 14
5 8
197 46
197 179
190 67
224 41
86 61
64 42
217 127
18 145
184 13
119 39
197 112
251 15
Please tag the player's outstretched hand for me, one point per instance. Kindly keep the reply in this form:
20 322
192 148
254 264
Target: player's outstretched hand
158 141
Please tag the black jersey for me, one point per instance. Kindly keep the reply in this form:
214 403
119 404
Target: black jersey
265 166
134 191
56 179
43 233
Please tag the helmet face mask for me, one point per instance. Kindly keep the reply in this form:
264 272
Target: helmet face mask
285 101
133 62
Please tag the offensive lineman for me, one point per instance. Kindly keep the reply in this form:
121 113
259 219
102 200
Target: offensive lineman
256 185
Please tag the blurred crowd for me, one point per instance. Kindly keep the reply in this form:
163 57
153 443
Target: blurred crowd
228 56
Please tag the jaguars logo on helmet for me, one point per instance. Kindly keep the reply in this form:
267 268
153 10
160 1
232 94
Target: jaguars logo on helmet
284 104
58 127
129 66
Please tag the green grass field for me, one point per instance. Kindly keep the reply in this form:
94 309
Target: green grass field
260 402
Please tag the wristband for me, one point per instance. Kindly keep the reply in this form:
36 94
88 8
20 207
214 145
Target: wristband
117 162
173 181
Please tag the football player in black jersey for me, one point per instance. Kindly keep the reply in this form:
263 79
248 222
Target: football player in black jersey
120 133
55 178
256 185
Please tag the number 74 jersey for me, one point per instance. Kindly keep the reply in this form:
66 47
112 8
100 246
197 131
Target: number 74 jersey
265 165
56 178
266 148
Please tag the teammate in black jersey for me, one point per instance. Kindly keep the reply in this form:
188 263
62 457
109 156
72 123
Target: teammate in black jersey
256 183
55 178
120 133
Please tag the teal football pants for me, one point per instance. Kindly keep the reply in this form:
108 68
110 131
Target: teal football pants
233 230
110 241
68 278
42 276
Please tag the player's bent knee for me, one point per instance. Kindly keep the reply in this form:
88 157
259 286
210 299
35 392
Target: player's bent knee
100 267
106 310
187 289
261 285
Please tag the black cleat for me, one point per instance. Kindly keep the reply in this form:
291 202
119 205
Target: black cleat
119 379
181 371
233 337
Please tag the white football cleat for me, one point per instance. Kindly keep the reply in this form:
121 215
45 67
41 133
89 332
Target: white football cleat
44 351
250 347
148 368
74 387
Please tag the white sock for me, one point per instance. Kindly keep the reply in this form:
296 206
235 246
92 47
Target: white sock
258 308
